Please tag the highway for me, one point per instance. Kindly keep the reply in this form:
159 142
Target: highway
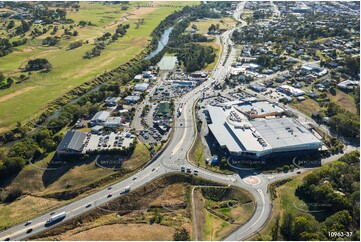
173 157
170 160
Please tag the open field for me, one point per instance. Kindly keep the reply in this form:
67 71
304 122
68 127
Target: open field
68 180
220 216
165 196
307 106
131 232
24 209
343 99
69 67
202 26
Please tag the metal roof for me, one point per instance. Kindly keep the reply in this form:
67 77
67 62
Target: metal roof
284 132
102 116
73 140
233 130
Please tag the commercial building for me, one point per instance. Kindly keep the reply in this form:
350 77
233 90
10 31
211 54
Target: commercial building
258 136
132 99
179 83
348 85
290 91
138 78
112 101
141 87
71 144
257 87
99 118
113 122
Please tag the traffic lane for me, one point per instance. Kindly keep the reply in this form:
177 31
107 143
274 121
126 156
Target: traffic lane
91 198
257 220
79 206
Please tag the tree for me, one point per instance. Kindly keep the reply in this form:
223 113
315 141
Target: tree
287 226
2 77
339 221
38 64
48 144
43 134
212 28
11 24
181 235
275 229
301 224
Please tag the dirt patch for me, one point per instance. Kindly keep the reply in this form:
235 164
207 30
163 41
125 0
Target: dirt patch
344 100
28 49
139 12
199 214
140 41
130 232
135 210
173 195
14 94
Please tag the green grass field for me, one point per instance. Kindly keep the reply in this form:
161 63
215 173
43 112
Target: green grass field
23 101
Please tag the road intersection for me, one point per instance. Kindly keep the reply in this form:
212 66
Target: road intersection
171 159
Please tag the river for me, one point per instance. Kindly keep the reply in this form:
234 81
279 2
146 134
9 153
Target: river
161 44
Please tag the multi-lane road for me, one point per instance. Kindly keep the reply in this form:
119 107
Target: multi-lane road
173 157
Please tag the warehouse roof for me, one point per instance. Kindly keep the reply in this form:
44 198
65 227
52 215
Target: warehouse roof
141 87
102 116
233 130
284 132
73 140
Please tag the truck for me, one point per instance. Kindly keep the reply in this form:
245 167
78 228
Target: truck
126 189
56 218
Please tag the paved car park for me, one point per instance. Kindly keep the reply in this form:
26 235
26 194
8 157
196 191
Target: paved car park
113 140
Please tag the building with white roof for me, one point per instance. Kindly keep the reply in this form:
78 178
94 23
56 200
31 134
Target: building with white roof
99 118
348 84
255 137
141 87
291 91
113 122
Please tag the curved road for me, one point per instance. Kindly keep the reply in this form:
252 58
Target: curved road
173 157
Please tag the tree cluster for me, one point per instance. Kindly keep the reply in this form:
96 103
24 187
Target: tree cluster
38 64
50 41
75 44
343 122
322 187
195 57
